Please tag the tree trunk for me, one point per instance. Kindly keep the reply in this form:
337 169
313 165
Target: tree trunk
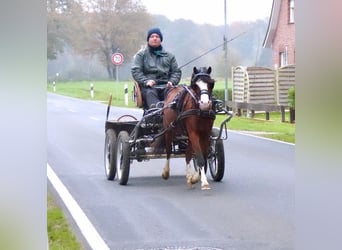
114 72
109 71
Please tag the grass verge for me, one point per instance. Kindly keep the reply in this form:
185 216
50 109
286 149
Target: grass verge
59 232
273 128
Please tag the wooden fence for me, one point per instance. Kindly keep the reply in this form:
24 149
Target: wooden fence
285 79
261 89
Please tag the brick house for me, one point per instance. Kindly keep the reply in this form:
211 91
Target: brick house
280 35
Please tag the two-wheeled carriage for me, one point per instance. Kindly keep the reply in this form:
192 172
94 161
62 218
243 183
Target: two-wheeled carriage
128 139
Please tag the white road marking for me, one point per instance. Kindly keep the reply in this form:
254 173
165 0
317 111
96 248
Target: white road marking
94 118
260 137
88 230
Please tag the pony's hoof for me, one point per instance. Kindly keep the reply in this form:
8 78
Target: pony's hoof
195 178
190 184
165 176
205 187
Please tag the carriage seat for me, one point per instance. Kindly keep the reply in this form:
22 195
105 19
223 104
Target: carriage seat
138 100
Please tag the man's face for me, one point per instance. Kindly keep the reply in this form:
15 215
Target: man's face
154 40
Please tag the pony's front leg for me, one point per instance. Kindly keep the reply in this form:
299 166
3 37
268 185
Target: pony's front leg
166 170
191 178
201 166
204 181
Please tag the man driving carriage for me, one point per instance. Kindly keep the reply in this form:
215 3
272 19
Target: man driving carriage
155 69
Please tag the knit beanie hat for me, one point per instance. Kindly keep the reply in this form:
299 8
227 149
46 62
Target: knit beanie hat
154 30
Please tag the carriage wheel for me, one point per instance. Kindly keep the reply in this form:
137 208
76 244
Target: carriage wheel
122 150
216 157
109 154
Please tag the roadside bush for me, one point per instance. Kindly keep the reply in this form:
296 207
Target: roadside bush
292 104
292 97
219 94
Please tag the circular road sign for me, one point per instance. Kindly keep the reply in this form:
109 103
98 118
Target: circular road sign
117 58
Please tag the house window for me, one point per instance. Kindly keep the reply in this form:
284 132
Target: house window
291 11
283 58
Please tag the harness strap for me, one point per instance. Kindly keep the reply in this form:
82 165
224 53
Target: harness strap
190 92
197 112
184 114
204 91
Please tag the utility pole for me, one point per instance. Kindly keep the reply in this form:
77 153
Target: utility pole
225 47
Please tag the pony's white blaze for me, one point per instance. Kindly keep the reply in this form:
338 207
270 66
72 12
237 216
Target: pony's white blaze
204 103
203 86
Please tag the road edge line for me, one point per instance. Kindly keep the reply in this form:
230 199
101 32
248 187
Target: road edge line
261 137
87 229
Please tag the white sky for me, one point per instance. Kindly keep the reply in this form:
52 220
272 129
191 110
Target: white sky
210 11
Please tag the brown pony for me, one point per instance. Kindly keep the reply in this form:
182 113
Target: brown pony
188 111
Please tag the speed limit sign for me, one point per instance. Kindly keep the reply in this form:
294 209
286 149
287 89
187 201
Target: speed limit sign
117 58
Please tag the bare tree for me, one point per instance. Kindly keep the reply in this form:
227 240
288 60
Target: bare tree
111 26
61 25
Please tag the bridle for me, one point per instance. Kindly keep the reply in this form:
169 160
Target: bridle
204 91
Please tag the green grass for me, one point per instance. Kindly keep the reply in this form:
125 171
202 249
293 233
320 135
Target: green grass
102 90
273 128
60 235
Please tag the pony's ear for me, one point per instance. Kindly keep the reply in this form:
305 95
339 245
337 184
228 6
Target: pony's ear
195 70
209 70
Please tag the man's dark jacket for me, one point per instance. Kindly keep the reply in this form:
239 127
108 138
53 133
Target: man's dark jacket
160 66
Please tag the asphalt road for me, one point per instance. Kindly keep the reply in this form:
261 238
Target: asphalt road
252 208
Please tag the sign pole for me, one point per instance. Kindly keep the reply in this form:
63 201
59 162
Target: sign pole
117 72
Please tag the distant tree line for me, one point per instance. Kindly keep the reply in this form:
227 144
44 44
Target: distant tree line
82 36
95 28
